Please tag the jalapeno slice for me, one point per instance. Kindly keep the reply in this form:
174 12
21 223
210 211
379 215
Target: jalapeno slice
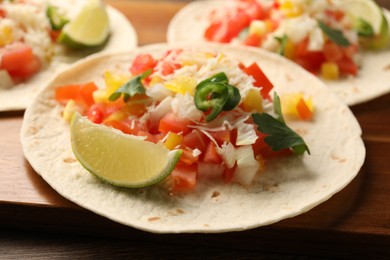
215 95
211 96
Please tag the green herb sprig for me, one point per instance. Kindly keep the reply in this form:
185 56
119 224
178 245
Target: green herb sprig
334 35
279 135
131 88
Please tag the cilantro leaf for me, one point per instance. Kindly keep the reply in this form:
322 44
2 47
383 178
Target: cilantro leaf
131 88
334 34
280 136
282 41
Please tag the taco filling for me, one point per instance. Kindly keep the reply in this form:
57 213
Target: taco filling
220 113
29 36
324 37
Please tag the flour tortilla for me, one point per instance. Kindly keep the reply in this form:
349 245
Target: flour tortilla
289 187
122 37
373 80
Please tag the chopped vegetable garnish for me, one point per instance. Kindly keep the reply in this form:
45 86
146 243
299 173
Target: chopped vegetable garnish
209 122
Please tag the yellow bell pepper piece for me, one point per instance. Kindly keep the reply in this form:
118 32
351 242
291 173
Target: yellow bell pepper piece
6 36
253 101
173 140
182 84
114 81
290 102
155 80
330 70
290 9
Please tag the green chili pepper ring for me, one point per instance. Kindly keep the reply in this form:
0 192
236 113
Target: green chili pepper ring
211 95
215 94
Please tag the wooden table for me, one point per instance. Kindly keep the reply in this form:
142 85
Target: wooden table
355 221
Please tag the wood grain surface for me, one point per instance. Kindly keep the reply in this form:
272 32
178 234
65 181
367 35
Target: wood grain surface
356 221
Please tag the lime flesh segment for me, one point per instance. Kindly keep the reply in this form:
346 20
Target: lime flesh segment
120 159
90 28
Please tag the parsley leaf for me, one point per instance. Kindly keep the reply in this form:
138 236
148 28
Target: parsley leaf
282 41
334 34
279 135
131 88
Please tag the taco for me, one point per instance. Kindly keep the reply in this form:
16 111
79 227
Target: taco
345 43
33 49
267 185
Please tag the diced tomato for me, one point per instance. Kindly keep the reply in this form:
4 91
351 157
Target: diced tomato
169 68
64 93
255 11
309 60
211 154
96 113
80 93
3 13
303 110
142 63
261 80
172 123
347 66
268 153
252 40
28 69
350 51
332 51
217 32
135 126
225 31
342 56
210 171
260 144
149 137
221 136
195 140
187 157
86 93
183 178
260 147
123 127
20 62
229 174
335 14
238 23
15 55
169 52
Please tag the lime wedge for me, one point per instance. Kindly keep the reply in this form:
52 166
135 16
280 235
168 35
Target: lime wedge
369 21
364 12
90 28
120 159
